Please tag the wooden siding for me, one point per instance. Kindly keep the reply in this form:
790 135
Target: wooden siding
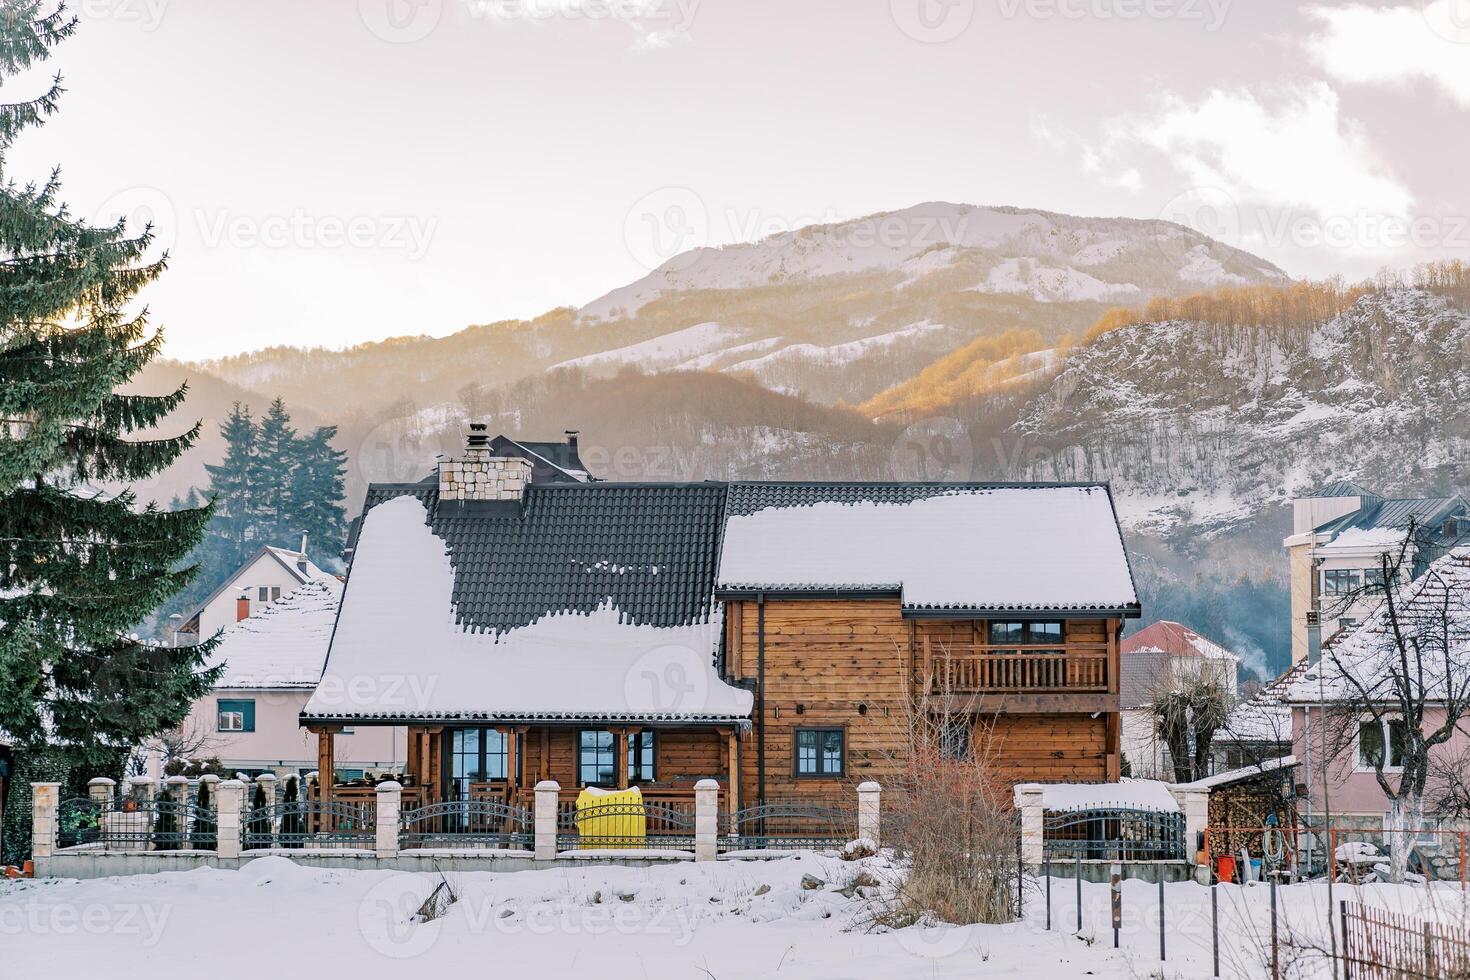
856 665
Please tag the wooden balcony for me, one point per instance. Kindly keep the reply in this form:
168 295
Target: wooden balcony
982 669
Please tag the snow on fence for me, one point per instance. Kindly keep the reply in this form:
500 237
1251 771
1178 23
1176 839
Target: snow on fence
230 818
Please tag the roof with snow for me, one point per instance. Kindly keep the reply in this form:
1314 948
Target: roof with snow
283 645
1365 664
943 549
1342 488
1176 640
296 564
585 601
1397 513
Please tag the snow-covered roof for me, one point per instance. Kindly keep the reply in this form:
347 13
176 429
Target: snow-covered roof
283 645
402 650
1360 538
1257 720
959 548
296 564
1241 775
1433 612
1136 794
1176 640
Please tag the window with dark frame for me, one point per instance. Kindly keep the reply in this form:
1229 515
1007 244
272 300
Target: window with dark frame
235 715
954 739
1341 581
596 757
476 755
1021 633
1374 737
820 752
640 758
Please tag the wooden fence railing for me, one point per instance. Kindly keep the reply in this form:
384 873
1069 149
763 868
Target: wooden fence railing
1380 944
981 670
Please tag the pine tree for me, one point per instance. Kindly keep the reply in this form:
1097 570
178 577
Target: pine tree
79 566
316 493
232 486
275 445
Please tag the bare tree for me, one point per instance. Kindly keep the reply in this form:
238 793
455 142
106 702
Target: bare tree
1398 686
1188 709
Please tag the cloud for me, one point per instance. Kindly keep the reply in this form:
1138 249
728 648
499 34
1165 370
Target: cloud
1292 149
1396 45
657 24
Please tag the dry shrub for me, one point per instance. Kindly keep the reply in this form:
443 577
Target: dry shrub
952 822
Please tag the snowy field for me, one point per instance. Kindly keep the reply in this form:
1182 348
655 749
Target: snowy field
729 921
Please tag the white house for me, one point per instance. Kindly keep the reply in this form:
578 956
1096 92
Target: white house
272 662
269 574
1153 660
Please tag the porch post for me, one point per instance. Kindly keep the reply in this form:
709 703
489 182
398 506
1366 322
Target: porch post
44 800
1029 804
732 776
547 794
326 761
706 820
870 797
620 760
390 805
512 761
231 795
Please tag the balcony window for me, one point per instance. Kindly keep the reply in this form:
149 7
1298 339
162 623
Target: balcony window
1026 634
1341 581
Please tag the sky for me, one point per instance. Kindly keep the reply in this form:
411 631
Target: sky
326 172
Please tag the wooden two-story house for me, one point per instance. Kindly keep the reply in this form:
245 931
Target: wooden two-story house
771 636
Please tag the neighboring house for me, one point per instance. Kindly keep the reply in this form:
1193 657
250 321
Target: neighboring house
1257 730
551 462
770 636
1343 774
1157 659
272 662
1338 533
269 574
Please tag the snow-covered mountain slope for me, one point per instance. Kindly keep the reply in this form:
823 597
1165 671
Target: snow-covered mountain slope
1202 426
929 238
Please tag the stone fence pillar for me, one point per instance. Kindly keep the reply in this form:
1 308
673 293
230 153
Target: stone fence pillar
547 793
1194 803
102 791
870 810
390 805
229 792
706 820
143 789
1029 804
45 797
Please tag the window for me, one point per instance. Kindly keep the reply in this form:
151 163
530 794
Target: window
477 755
1341 581
596 758
640 758
954 740
1374 736
820 752
1373 579
235 716
268 593
1029 634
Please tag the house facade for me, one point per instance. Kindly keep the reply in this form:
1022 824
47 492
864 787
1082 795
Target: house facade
772 637
1155 660
1339 532
268 575
271 662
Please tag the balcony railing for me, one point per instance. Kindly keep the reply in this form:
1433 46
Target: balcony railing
983 669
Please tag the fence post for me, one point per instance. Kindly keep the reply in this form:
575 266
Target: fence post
227 817
706 820
1215 925
1347 956
1117 895
1162 925
101 790
1275 944
143 789
390 804
870 805
44 800
1194 803
548 791
1029 804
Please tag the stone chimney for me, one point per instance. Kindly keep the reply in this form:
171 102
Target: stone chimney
480 475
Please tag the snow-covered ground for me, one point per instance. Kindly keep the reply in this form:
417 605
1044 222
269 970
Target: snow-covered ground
728 920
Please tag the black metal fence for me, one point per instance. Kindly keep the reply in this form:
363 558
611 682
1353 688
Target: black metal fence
625 825
310 823
787 826
467 823
1113 834
133 823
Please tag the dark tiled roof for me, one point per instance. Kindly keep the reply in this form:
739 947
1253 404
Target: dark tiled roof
650 548
551 462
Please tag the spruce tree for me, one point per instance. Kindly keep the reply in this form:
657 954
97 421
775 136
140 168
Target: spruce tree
275 443
80 565
233 488
317 475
